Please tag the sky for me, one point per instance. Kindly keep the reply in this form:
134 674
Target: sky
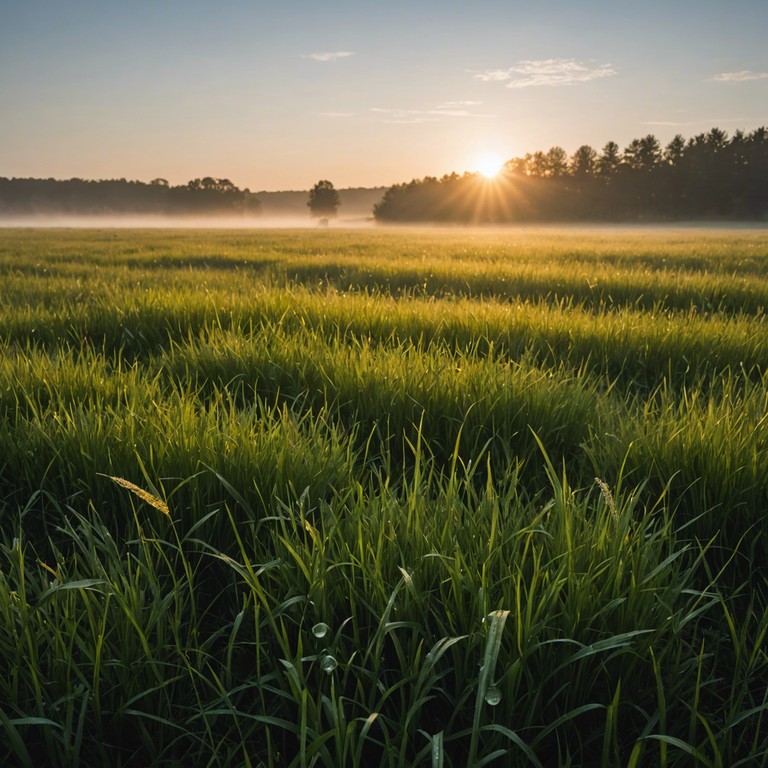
275 95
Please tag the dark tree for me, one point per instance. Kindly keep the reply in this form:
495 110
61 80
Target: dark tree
323 200
583 161
674 151
536 164
609 161
557 162
643 154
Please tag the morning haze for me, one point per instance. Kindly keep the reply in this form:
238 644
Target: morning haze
275 96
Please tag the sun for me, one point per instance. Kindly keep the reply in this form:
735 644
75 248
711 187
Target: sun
489 164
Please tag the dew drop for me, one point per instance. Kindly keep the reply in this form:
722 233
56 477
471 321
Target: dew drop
328 664
492 696
320 629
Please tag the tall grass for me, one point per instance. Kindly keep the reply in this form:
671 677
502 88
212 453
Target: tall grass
344 498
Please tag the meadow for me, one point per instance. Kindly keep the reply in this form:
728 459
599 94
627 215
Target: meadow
384 497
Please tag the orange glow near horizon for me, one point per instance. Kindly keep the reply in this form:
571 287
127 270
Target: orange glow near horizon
482 200
489 164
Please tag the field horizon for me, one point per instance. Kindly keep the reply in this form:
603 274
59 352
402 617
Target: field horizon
293 221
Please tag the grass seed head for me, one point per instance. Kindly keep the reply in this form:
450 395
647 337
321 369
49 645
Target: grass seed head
608 496
142 494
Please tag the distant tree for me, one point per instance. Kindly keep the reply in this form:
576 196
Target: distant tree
516 166
738 147
717 140
557 162
536 164
674 151
650 152
643 154
250 204
323 200
208 194
609 161
583 161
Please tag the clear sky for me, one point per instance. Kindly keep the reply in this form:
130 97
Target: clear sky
278 94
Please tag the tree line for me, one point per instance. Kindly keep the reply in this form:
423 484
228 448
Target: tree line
704 177
89 197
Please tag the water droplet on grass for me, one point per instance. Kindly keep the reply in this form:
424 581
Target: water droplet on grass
492 696
320 629
328 664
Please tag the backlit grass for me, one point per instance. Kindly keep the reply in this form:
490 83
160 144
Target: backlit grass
433 498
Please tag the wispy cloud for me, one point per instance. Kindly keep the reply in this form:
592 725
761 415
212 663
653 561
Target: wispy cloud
739 77
449 109
405 115
530 73
710 121
328 55
450 104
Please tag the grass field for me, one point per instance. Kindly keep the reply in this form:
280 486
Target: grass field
383 498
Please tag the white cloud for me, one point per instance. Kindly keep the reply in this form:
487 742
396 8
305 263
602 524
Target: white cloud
450 109
528 73
494 74
328 55
444 112
739 77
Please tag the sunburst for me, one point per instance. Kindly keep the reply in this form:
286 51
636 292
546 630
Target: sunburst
489 164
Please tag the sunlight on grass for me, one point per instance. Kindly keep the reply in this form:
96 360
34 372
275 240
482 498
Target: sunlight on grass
383 498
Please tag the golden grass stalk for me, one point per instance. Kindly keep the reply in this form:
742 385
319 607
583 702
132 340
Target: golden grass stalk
142 494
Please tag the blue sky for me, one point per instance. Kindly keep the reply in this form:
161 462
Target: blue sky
276 95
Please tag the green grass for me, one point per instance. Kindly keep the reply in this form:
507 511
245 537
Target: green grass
433 498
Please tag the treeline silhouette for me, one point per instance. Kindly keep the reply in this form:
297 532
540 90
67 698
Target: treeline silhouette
118 196
705 177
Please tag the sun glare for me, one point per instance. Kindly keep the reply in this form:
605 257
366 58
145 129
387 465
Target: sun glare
489 164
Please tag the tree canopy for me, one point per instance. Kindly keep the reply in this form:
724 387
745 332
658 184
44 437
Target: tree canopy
323 200
709 176
87 197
